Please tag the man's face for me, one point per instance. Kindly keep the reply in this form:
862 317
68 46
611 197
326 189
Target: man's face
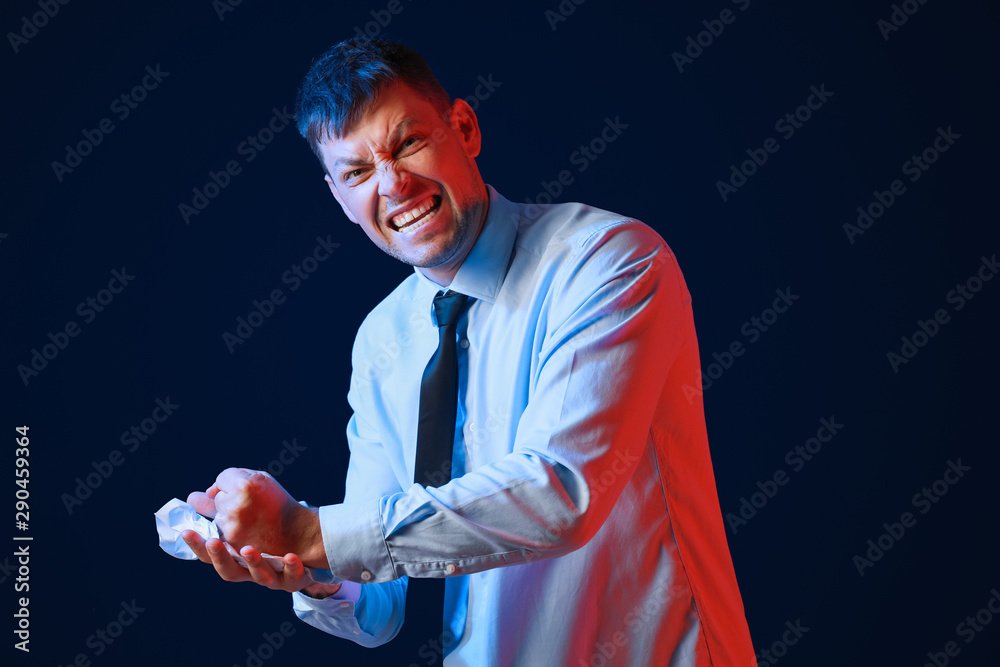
408 176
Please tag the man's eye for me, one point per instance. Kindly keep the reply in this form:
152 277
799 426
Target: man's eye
352 174
409 141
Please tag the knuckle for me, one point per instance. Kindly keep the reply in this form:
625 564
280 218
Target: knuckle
257 481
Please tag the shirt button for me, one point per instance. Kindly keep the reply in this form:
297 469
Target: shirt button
472 426
464 343
450 568
366 575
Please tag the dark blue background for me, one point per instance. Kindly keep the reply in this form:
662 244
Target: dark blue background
826 357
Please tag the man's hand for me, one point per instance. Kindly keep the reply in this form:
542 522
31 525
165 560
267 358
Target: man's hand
292 578
252 510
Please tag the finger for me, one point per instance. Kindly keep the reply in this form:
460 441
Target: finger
224 564
259 569
227 486
295 569
197 544
202 503
231 478
293 576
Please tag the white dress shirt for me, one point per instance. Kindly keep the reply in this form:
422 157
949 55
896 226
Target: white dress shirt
582 526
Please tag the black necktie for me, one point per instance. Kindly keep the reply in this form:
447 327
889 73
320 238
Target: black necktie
435 441
439 397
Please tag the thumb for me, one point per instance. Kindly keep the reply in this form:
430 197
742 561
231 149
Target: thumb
202 503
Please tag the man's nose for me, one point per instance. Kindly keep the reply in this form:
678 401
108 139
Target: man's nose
393 182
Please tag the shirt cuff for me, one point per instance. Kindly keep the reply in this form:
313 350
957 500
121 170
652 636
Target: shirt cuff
355 544
331 614
349 592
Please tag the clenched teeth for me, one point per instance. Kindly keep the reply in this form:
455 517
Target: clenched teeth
401 221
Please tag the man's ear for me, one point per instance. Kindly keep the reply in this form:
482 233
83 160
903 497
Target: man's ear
333 189
463 120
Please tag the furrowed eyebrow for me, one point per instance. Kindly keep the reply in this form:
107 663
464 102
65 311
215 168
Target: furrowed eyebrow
400 129
394 136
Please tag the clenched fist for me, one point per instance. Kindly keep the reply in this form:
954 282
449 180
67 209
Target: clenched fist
252 509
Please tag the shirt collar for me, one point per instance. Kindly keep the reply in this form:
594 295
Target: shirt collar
484 269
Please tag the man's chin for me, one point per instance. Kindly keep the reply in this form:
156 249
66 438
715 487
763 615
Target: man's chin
429 256
442 248
439 259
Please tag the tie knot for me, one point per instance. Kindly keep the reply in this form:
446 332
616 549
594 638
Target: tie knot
448 307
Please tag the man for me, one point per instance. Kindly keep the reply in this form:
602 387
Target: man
578 523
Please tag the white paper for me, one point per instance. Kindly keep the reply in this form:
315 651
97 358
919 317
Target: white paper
177 516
